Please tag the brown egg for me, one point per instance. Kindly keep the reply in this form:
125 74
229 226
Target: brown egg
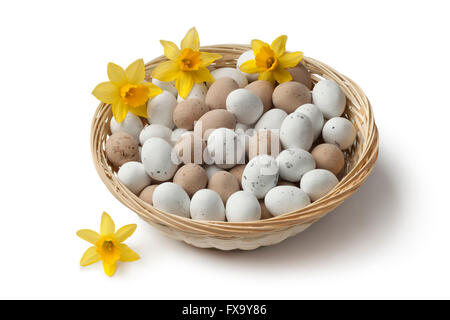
121 147
262 143
265 214
187 112
286 183
191 177
190 149
224 183
212 120
291 95
218 92
237 172
328 156
300 74
264 90
147 194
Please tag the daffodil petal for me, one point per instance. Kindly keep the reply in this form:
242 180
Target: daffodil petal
250 66
90 256
267 76
202 75
116 74
191 40
257 44
153 89
184 84
136 71
140 111
171 50
119 110
166 71
88 235
279 45
109 268
208 58
125 232
291 59
282 75
107 225
126 254
106 92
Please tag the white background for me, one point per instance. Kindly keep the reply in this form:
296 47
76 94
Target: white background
389 240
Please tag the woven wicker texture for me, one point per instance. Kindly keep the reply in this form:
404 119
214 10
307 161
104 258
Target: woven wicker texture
360 160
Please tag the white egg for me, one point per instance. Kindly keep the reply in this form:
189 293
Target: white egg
293 163
225 148
339 131
285 199
329 98
211 169
315 116
160 109
167 86
242 206
272 119
317 183
170 197
247 55
232 73
207 205
176 135
158 159
246 106
296 131
260 175
132 125
198 91
155 130
132 174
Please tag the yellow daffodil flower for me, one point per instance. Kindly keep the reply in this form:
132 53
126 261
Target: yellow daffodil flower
187 66
108 245
126 91
272 61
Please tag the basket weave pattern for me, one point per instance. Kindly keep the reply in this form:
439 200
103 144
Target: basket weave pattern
360 160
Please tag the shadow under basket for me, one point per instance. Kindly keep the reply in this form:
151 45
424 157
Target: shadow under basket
360 161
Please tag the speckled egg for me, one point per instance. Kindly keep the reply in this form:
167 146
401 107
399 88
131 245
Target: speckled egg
293 163
212 120
339 131
147 193
260 175
328 156
190 149
242 206
315 116
218 92
264 142
155 130
296 132
206 205
132 174
198 91
290 95
170 197
272 119
285 199
244 57
317 183
191 177
329 98
246 106
300 74
264 90
232 73
158 159
121 147
132 125
224 183
160 109
189 111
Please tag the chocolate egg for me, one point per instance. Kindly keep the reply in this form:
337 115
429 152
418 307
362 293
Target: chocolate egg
189 111
290 95
190 148
191 177
264 90
224 183
237 172
121 147
264 142
218 92
328 156
212 120
300 74
147 194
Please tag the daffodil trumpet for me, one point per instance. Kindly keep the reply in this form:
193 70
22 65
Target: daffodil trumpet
271 61
126 90
186 66
108 246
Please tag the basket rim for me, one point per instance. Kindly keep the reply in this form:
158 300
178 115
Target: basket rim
311 213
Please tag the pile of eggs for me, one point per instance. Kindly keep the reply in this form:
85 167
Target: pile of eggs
238 149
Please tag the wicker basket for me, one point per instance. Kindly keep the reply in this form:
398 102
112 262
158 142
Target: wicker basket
360 160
